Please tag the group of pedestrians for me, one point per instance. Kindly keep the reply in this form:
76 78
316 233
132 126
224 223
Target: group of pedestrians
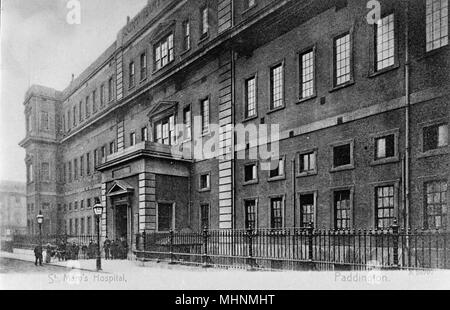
117 249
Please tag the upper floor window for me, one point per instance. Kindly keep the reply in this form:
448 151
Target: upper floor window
204 106
74 116
307 87
187 122
80 110
250 173
436 24
308 163
94 101
435 137
75 169
102 95
143 66
436 213
277 86
81 165
205 181
131 74
342 155
385 147
88 163
163 52
277 169
250 97
186 35
44 121
144 134
29 123
165 131
30 173
87 110
342 60
132 138
110 89
112 147
204 25
385 42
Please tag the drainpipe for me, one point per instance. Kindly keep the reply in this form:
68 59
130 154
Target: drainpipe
233 150
294 202
407 120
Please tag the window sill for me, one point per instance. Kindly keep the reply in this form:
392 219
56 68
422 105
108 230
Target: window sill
306 174
276 179
385 161
204 190
437 152
339 87
184 52
254 182
343 168
142 81
384 70
248 119
303 100
276 110
203 38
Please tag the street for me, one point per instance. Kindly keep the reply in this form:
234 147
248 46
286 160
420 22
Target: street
10 266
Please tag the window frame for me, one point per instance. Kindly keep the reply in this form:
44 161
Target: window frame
164 39
280 177
425 48
374 69
281 64
204 34
350 166
300 55
208 205
396 185
208 129
143 70
425 213
204 189
312 172
299 206
283 211
187 34
173 215
246 115
335 85
379 135
351 189
434 152
256 179
244 206
131 75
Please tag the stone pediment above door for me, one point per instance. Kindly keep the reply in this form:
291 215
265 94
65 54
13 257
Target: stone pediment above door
120 188
162 109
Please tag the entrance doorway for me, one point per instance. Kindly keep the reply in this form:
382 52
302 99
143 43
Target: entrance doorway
121 222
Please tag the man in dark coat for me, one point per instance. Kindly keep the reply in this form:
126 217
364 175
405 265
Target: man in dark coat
91 249
124 244
114 249
38 255
107 247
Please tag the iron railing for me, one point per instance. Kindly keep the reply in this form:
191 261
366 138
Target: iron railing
300 249
30 241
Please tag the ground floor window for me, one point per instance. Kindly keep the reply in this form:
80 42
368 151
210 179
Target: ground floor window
342 209
204 216
307 210
250 214
165 217
276 213
436 213
384 207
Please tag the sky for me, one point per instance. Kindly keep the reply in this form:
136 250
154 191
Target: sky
39 46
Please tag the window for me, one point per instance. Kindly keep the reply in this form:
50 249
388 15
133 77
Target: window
384 201
435 137
104 152
87 110
276 213
144 134
204 26
186 35
71 227
204 216
44 121
80 110
385 42
88 203
132 138
82 227
163 52
70 206
143 66
81 166
89 225
342 209
436 24
102 95
250 214
88 163
94 101
75 205
76 227
250 97
82 205
251 173
95 158
385 147
205 115
276 87
112 147
165 217
45 172
307 210
436 207
342 155
68 120
249 4
165 131
110 89
277 170
131 72
74 116
70 171
308 163
75 169
307 74
205 181
29 123
342 60
30 175
187 123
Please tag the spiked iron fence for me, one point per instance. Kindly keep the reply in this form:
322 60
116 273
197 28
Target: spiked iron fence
300 249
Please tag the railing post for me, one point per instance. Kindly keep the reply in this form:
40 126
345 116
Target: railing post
172 261
395 231
310 241
144 241
250 262
205 247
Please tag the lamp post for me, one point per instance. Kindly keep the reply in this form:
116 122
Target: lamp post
98 210
40 220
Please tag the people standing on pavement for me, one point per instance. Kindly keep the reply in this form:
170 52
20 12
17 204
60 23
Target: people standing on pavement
114 248
91 249
124 248
84 250
119 249
48 254
38 255
107 248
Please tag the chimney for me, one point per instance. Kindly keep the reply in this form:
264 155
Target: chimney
73 77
